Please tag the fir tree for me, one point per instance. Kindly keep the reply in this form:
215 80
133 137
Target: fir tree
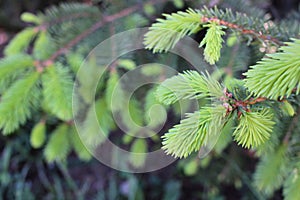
252 102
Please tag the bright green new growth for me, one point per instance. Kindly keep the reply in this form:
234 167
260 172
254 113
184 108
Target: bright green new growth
11 64
20 42
277 75
188 85
287 108
164 34
254 128
18 102
58 146
30 18
58 87
213 43
273 79
11 67
188 136
42 41
38 135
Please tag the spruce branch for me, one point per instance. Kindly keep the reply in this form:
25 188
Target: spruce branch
58 146
188 85
277 75
18 102
191 133
241 29
38 135
57 90
254 128
105 20
165 34
254 27
9 66
20 42
213 42
67 12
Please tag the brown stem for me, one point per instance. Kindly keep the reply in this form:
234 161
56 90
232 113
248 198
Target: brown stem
242 30
98 25
65 18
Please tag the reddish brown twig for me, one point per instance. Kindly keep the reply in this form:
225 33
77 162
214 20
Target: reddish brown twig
66 18
241 29
96 26
231 104
256 100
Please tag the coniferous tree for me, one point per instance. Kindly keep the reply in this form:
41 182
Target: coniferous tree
252 100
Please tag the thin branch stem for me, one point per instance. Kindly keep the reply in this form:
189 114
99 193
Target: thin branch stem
95 27
45 25
242 30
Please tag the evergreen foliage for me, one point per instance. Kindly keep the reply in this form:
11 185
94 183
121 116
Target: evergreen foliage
38 135
114 89
213 43
251 103
58 146
188 85
20 42
18 102
280 69
57 91
43 40
164 34
254 128
191 133
11 67
256 106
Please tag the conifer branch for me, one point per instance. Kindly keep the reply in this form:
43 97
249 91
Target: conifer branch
241 29
48 24
93 28
277 75
188 85
254 128
193 131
